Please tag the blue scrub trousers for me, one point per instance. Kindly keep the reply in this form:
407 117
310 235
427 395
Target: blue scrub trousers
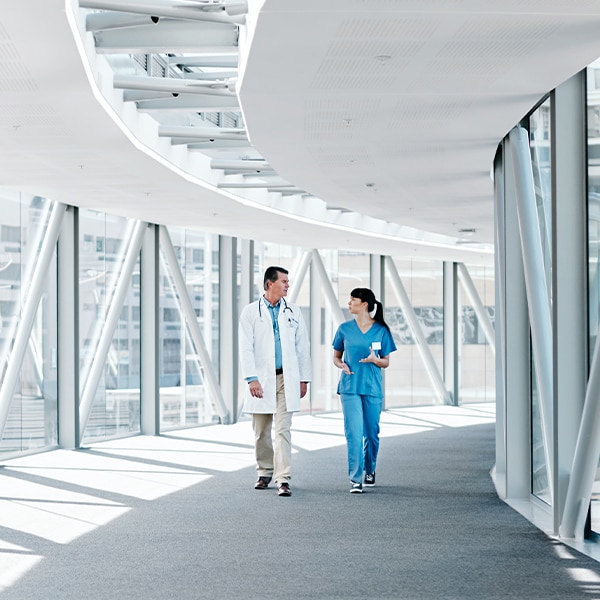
361 426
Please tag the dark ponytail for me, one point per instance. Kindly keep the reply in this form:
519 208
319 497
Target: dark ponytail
367 295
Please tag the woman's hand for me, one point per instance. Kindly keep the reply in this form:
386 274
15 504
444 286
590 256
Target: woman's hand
379 361
372 358
339 363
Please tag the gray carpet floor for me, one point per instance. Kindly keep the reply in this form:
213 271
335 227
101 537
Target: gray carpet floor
432 528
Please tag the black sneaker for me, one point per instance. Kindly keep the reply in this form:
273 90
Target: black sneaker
370 479
355 488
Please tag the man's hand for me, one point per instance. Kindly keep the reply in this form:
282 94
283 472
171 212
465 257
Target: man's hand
255 388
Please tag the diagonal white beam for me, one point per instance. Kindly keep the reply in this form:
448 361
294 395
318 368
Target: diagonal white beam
535 281
475 300
334 302
90 384
422 346
585 459
299 273
191 320
28 312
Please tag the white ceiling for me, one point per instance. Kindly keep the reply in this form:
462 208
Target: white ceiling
392 109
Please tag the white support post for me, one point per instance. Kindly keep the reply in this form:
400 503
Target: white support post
149 333
315 334
247 273
426 356
500 350
572 427
68 331
482 316
187 309
451 331
535 283
32 299
228 317
90 385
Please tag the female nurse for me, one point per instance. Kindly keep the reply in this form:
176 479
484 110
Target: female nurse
361 349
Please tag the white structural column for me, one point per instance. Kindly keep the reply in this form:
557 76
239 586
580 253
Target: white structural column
247 273
68 332
426 356
90 385
451 331
515 348
482 315
187 309
576 437
535 281
315 334
499 470
376 276
32 299
149 333
228 318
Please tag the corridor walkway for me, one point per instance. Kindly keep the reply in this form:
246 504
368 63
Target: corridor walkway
176 517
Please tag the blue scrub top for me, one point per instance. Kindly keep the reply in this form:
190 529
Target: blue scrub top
367 378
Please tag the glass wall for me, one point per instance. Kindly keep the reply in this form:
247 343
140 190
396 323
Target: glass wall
407 379
29 420
593 149
111 342
115 409
540 136
184 400
477 359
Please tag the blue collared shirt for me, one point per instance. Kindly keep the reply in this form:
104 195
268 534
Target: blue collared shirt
274 311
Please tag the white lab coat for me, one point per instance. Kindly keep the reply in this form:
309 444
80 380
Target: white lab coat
257 355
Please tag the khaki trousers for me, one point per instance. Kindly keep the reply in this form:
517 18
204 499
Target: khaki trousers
274 456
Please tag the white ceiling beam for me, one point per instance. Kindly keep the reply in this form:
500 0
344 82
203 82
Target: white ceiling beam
199 132
185 102
167 36
225 59
176 86
175 9
117 20
241 165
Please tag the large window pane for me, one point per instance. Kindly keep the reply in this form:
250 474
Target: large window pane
31 421
184 397
593 135
539 133
407 379
104 241
477 360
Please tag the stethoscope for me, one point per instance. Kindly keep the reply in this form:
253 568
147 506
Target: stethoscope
284 302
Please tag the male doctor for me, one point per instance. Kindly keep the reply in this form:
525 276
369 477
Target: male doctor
275 362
